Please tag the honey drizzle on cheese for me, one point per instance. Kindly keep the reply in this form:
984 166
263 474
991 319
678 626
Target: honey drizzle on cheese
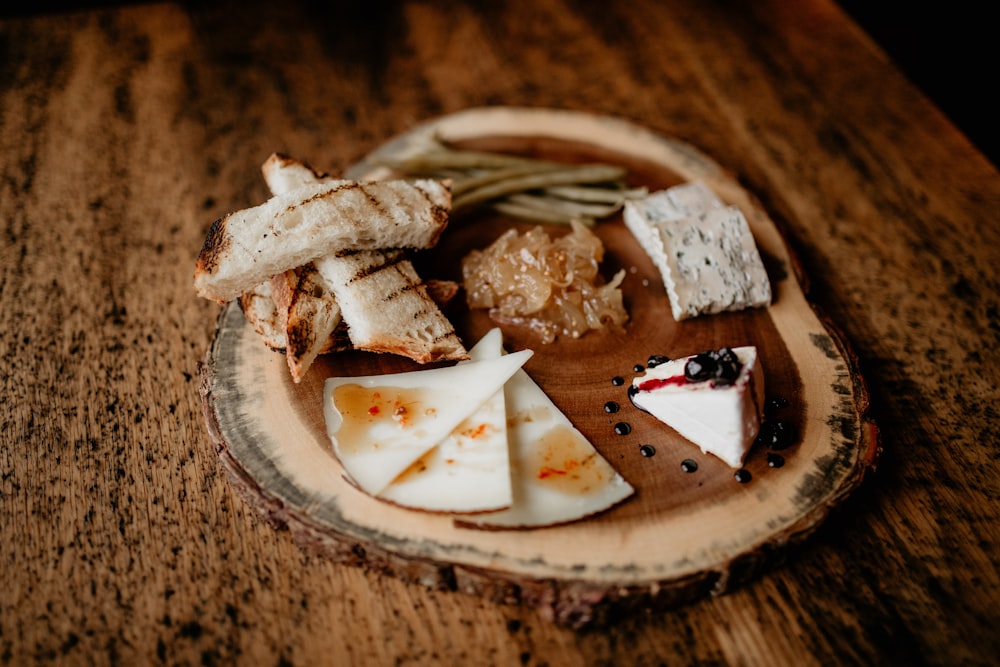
364 408
563 460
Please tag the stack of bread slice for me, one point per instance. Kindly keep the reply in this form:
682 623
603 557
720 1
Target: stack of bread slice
323 265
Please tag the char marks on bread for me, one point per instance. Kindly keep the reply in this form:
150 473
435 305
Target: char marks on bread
246 247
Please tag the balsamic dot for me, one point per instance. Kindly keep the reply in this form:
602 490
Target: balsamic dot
777 402
742 476
623 428
611 407
647 450
775 460
618 380
689 465
638 368
777 434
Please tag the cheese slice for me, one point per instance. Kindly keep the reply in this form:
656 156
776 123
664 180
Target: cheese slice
381 424
703 250
645 217
468 471
557 474
723 420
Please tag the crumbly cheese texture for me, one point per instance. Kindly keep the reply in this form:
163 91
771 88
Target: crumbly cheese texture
722 420
703 249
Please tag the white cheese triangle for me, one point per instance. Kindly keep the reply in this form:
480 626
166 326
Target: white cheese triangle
468 471
381 424
557 474
721 420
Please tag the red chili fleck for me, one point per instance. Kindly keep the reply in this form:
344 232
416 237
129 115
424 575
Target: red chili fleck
373 410
549 472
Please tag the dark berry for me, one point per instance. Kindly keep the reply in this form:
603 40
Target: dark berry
729 366
657 360
700 367
721 366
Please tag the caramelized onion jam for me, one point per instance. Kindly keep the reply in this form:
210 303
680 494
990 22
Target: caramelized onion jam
551 285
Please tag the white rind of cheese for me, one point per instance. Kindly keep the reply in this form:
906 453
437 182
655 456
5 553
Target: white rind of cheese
541 435
468 471
436 400
704 251
722 420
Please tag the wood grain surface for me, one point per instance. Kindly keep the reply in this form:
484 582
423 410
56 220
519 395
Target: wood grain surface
125 131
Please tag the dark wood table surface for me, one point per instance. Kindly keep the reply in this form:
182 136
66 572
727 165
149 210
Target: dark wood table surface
125 131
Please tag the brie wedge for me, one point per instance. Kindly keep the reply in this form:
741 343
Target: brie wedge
557 474
703 250
722 419
381 424
468 471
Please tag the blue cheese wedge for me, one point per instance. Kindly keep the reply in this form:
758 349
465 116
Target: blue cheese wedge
721 418
703 250
468 471
381 424
558 476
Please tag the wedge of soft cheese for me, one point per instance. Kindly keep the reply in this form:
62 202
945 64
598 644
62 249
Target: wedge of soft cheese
722 418
557 474
380 425
468 471
703 250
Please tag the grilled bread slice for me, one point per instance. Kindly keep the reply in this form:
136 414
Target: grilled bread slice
262 314
246 247
309 315
387 307
308 312
385 304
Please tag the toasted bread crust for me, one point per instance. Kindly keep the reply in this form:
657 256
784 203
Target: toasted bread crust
259 308
216 246
309 315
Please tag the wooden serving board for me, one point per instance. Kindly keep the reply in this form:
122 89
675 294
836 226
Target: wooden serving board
683 534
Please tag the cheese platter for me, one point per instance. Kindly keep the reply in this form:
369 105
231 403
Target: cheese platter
681 522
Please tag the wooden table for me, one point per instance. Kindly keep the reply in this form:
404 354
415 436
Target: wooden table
125 131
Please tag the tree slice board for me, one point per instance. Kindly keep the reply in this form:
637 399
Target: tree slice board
683 534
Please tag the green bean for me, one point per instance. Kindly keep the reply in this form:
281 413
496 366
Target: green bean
523 187
479 180
570 208
596 195
565 176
